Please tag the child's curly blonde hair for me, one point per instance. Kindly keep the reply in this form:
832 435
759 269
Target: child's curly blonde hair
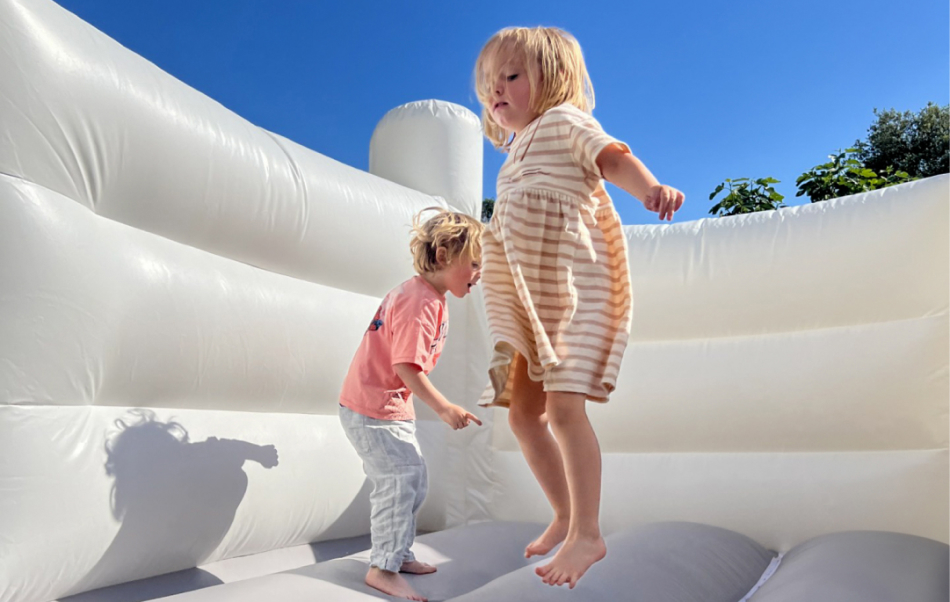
551 57
457 233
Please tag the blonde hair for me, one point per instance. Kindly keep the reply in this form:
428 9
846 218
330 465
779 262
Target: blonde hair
552 59
457 233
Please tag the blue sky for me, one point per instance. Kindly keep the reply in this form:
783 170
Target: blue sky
702 91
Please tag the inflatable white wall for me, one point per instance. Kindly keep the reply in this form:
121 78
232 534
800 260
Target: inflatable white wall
180 296
181 293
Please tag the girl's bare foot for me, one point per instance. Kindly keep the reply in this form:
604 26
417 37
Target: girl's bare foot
416 568
572 561
553 535
391 583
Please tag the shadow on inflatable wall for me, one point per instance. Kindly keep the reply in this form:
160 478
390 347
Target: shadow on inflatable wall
176 500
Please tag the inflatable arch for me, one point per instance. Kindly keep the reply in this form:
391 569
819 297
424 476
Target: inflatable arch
181 293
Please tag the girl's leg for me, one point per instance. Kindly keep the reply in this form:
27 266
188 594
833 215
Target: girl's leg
581 453
529 422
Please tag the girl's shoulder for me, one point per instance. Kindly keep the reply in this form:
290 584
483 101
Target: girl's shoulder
568 111
568 115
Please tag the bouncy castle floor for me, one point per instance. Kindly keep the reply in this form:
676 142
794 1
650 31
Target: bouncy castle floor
663 562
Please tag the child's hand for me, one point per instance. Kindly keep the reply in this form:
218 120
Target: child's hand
456 417
664 200
267 456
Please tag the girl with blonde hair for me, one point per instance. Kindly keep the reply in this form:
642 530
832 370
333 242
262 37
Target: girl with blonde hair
555 276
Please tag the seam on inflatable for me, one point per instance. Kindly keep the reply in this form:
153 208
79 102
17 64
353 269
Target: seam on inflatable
299 180
44 187
827 452
783 333
106 406
300 183
769 571
21 178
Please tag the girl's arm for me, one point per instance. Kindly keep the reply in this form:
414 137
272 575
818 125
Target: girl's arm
621 168
413 377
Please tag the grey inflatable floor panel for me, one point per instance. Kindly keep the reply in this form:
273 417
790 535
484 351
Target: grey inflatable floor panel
663 562
862 566
685 562
226 571
467 558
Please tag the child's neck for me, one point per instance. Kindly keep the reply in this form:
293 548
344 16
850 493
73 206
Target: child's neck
525 126
436 280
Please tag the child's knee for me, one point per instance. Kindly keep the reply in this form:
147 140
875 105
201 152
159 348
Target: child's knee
522 418
566 408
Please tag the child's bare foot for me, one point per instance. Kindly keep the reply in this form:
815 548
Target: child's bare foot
391 583
572 561
553 535
416 568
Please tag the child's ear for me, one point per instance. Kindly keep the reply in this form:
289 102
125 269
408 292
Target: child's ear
441 256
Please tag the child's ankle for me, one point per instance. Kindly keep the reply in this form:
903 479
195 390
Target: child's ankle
378 571
591 533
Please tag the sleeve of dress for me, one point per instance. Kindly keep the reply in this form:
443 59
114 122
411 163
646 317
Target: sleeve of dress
587 139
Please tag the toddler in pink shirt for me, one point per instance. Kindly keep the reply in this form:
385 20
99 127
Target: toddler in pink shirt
398 350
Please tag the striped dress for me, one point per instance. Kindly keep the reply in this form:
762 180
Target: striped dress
555 276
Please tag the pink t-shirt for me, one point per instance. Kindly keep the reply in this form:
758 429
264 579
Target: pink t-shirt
410 327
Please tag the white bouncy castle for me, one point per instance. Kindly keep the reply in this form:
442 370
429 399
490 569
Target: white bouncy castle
181 293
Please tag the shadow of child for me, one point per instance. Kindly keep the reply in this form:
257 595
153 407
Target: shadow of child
176 499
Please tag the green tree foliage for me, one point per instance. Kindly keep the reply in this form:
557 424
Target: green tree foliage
488 208
845 174
916 143
746 196
900 147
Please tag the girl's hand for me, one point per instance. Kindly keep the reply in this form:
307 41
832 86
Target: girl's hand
267 456
457 418
619 167
664 200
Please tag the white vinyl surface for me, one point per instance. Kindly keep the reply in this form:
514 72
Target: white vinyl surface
181 293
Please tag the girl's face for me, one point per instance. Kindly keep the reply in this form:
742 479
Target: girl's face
511 98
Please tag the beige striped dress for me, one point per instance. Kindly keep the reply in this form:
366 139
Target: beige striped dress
555 276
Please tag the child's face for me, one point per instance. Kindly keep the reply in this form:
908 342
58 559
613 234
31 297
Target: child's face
461 274
511 98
